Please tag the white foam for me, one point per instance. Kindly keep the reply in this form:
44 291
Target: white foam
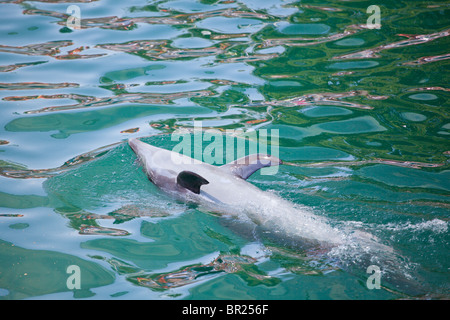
436 225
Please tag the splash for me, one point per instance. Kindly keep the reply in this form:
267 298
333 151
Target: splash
437 226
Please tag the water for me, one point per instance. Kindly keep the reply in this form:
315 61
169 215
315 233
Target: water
364 127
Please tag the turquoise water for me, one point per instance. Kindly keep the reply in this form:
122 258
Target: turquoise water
363 126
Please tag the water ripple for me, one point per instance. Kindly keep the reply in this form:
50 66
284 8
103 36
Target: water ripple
91 101
411 41
363 131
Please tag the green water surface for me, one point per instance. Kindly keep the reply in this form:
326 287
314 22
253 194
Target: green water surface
363 122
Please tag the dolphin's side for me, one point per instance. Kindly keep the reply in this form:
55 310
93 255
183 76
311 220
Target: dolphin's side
224 189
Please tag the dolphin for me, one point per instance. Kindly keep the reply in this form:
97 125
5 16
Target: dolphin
225 190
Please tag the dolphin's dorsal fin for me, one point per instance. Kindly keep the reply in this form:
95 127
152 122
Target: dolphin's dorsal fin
191 181
246 166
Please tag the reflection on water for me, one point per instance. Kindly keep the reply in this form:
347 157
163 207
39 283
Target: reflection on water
363 120
51 48
89 101
411 41
191 274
